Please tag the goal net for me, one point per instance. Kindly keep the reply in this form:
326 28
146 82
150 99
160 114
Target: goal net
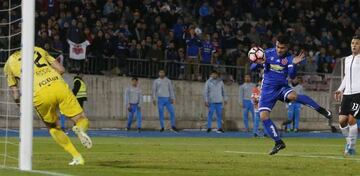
10 36
15 136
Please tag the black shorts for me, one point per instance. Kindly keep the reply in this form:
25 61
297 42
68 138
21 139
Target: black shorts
350 104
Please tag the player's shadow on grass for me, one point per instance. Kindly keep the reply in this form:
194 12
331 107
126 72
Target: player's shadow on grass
115 164
140 165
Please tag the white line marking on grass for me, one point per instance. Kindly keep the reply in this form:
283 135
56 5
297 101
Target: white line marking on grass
39 172
296 155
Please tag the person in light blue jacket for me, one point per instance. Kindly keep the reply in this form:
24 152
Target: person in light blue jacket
133 100
294 108
214 97
245 92
164 96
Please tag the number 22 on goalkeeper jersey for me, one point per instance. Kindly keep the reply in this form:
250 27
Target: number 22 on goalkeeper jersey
44 74
50 90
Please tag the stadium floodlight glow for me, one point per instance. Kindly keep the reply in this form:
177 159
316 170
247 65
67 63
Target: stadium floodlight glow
26 103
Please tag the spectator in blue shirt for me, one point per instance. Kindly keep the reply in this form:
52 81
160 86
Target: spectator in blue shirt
207 50
179 30
323 61
205 12
207 53
193 46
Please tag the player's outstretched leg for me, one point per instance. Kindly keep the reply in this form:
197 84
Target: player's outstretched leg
80 129
64 141
305 100
272 131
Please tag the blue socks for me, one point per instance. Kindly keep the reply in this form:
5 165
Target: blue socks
305 100
271 130
62 122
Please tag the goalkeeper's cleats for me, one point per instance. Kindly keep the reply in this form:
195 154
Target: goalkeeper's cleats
83 137
77 161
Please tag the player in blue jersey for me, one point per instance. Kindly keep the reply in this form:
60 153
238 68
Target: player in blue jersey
278 65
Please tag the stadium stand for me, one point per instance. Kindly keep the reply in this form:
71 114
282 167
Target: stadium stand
136 37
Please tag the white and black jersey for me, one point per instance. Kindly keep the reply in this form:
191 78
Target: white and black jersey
351 82
350 86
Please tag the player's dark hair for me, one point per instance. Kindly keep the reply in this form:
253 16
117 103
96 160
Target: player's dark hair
134 78
283 39
357 37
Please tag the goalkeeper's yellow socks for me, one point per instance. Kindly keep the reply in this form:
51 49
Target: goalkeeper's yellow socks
83 124
64 141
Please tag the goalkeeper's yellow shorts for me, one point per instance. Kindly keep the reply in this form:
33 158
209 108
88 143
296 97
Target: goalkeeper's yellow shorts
56 96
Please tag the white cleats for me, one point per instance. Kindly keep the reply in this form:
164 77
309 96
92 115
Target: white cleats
83 137
77 161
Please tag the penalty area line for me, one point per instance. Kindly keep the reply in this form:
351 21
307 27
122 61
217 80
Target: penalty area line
38 172
296 155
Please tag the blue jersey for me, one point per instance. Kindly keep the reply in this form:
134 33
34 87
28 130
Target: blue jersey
276 68
193 46
178 31
207 50
275 84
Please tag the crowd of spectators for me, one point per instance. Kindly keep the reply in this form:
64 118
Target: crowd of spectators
215 32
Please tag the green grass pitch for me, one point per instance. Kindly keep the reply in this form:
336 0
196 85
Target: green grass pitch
192 156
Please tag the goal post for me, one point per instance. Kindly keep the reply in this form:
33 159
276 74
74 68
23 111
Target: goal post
26 103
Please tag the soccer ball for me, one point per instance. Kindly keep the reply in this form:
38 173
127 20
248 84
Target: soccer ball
198 31
256 53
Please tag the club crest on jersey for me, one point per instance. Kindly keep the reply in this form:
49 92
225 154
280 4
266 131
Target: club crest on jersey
276 67
284 61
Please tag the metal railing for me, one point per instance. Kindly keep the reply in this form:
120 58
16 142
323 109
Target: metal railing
149 68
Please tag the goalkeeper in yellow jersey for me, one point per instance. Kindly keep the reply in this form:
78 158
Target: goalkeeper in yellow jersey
50 94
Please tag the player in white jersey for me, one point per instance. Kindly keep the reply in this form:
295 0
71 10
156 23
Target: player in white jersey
349 95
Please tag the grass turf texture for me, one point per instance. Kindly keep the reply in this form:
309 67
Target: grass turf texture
192 156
